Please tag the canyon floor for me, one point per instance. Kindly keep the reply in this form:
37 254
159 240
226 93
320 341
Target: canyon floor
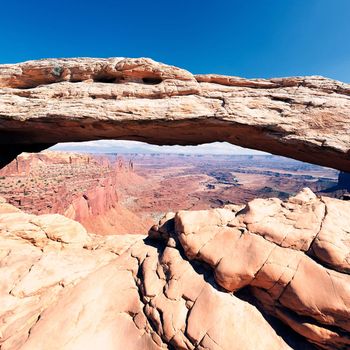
185 182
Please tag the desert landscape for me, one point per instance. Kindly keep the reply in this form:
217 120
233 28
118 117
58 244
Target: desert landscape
172 251
128 193
82 187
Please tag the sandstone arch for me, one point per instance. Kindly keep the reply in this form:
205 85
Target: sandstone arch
57 100
298 264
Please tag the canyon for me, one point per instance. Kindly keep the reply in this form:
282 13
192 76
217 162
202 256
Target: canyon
232 272
128 193
78 186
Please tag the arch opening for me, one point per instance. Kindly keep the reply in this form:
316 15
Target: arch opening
115 187
305 118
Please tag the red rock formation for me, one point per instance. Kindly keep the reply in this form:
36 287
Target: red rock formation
19 166
194 282
98 209
82 187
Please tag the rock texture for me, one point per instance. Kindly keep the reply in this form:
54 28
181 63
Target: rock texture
82 187
294 256
267 275
57 100
197 282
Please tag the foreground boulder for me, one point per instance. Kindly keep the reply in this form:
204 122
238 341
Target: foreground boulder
293 256
116 292
57 100
231 278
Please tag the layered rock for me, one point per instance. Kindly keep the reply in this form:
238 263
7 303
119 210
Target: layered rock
100 210
27 164
82 187
231 278
192 284
48 101
148 297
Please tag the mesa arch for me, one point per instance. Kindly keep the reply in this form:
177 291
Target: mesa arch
298 269
59 100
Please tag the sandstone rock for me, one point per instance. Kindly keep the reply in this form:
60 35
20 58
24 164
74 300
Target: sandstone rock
61 229
40 229
332 244
270 247
141 293
301 117
81 187
200 279
116 292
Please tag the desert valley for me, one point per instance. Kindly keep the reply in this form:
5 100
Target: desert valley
128 193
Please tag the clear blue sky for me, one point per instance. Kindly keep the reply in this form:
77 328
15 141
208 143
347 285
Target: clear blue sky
252 38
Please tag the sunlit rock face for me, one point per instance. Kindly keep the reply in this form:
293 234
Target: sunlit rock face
293 255
208 279
49 101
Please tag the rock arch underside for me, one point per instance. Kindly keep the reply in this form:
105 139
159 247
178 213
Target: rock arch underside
266 275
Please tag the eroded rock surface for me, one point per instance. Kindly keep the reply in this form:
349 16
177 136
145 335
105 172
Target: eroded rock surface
49 101
194 283
294 256
84 188
116 292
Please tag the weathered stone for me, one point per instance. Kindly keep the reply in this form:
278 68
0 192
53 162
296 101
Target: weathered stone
116 292
131 292
270 246
49 101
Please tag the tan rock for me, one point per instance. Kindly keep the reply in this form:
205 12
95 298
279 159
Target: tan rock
146 296
267 246
97 98
141 293
61 229
332 244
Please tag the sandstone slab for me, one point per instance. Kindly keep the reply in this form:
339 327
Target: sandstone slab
57 100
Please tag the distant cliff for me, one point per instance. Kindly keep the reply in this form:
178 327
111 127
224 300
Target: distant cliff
81 187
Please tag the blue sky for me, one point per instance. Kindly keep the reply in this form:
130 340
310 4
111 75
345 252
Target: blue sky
250 38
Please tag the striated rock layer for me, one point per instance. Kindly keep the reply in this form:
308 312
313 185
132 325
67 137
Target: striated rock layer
82 187
49 101
197 282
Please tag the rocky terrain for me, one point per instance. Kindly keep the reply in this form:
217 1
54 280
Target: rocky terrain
82 187
210 181
267 274
109 195
197 282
